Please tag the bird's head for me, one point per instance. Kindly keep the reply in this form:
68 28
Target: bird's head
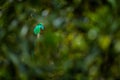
41 26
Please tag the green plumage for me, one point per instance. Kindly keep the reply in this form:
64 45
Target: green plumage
38 28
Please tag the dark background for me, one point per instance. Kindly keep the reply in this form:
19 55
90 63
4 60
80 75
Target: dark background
81 40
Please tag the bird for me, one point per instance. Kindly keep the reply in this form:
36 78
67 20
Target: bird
38 28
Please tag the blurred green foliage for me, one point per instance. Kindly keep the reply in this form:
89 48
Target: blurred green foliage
81 40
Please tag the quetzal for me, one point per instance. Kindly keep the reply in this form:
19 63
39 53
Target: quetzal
38 28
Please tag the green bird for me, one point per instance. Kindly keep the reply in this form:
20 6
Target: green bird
38 29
